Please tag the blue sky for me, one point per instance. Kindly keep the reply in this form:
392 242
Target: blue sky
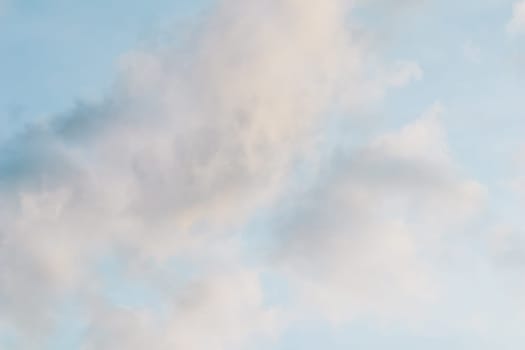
273 174
56 53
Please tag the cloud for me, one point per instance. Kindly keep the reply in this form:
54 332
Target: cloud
179 157
517 22
226 307
365 241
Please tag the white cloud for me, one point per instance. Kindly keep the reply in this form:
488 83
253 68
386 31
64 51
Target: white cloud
517 22
184 151
366 241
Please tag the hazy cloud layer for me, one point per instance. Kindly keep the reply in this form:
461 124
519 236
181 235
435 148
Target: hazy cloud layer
167 174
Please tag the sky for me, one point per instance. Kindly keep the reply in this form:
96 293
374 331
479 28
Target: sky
263 174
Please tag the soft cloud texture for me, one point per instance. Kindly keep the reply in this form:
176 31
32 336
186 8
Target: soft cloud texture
285 162
367 239
191 143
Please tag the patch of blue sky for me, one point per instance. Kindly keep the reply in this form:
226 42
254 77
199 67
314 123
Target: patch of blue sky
56 52
468 66
70 327
123 290
8 341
